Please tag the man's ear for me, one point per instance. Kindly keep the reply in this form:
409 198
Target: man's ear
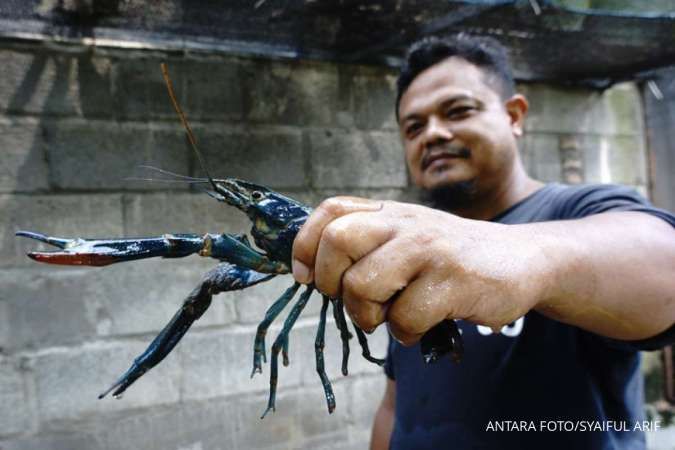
517 107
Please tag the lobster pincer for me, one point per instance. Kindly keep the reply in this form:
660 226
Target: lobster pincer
234 249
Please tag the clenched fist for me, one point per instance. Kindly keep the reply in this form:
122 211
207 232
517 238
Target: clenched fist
414 266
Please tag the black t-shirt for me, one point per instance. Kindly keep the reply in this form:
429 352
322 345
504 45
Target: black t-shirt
529 386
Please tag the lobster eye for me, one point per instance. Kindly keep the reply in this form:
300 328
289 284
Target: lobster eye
256 195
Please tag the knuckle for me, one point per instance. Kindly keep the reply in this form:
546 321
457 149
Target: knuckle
364 314
324 286
332 206
366 322
336 235
403 324
353 286
404 338
423 237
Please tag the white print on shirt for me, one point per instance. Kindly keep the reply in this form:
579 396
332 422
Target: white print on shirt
511 330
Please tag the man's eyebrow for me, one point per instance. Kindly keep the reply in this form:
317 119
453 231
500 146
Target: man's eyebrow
408 117
446 102
457 98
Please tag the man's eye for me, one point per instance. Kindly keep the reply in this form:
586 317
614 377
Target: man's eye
459 112
413 129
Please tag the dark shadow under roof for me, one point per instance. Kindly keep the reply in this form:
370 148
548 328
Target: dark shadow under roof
548 41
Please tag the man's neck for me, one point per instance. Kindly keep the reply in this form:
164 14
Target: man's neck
515 188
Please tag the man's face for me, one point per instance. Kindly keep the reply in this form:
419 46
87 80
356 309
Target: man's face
456 129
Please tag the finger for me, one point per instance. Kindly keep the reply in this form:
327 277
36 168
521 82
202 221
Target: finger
343 241
384 271
424 303
377 277
306 242
367 315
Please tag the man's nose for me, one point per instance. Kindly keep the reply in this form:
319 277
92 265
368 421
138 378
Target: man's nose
437 132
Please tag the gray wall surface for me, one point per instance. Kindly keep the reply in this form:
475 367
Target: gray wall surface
76 122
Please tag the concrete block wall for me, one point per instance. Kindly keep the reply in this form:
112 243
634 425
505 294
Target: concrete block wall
76 123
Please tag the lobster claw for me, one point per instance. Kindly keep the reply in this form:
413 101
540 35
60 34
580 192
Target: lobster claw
442 339
102 252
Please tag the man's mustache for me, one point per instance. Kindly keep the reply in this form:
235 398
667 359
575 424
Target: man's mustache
437 152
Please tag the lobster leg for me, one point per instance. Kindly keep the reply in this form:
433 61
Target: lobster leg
279 342
225 277
345 335
365 350
234 249
259 351
318 349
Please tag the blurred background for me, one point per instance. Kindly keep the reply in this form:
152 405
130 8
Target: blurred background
296 95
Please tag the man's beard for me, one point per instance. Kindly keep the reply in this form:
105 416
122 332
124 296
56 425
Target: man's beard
451 197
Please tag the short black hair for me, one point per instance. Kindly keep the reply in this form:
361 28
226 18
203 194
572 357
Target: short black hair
486 53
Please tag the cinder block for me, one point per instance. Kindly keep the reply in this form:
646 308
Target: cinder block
54 441
5 321
93 215
542 156
15 415
332 353
219 363
408 195
617 110
269 156
615 159
564 110
24 167
68 381
50 306
181 426
300 421
46 307
142 297
374 97
358 439
55 84
154 214
623 107
213 89
365 395
310 406
94 86
252 303
345 159
118 148
377 342
139 90
298 93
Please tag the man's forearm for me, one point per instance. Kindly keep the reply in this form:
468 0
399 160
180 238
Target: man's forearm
383 423
612 273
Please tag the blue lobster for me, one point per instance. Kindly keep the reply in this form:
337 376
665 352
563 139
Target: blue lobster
276 221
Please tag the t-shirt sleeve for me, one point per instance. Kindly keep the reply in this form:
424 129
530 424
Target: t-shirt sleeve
586 200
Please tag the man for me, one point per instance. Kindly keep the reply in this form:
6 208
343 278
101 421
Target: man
556 287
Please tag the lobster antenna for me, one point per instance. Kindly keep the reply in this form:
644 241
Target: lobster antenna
169 173
163 180
186 125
